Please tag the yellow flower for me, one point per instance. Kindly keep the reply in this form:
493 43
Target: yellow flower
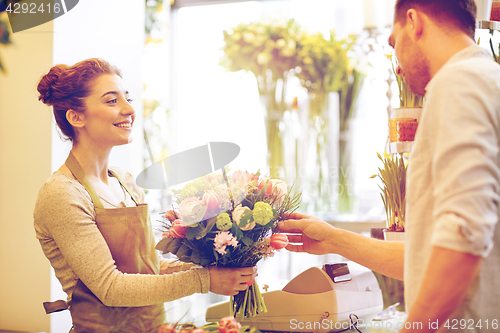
308 61
236 36
280 43
248 37
262 58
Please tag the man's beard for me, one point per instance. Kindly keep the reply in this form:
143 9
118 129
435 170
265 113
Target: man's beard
417 74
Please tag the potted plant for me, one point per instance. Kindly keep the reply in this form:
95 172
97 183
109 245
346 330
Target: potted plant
403 121
393 177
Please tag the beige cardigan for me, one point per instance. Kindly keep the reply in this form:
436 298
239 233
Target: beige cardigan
64 222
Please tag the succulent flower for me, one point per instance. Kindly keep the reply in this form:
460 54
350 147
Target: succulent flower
262 213
224 222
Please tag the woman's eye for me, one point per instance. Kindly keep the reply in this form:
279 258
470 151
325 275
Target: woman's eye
112 101
130 100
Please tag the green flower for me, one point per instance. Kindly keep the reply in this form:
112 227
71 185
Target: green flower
224 222
262 213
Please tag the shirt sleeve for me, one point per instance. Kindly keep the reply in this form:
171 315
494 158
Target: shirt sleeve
465 173
65 223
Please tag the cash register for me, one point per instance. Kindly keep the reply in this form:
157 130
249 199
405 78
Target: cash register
324 299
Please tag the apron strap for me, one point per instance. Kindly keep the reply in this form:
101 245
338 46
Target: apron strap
56 306
124 186
77 171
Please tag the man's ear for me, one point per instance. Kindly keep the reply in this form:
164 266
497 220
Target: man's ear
415 24
76 119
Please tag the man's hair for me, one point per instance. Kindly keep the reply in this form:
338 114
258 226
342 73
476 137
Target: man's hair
459 13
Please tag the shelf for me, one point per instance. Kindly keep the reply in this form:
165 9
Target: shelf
488 25
400 147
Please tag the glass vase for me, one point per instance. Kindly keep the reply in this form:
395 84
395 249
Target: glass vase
272 96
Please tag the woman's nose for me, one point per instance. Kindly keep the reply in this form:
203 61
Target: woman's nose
128 109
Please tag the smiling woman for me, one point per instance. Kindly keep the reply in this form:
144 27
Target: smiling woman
92 222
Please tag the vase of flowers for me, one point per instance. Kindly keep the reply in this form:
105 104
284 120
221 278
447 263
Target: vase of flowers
267 49
393 177
324 68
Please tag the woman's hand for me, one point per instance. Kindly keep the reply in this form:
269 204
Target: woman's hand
229 281
307 234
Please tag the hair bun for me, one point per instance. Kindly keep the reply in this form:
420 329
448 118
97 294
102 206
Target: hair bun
47 82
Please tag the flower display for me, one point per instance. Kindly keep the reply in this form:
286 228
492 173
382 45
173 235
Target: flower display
229 325
261 46
229 221
225 325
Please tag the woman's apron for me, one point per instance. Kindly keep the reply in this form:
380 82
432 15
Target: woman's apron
129 236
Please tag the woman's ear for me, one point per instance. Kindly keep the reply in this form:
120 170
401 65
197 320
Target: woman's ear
75 118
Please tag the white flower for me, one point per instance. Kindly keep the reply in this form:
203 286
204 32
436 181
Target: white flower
224 200
238 213
280 190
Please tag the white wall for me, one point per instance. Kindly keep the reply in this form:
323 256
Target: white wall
25 135
30 148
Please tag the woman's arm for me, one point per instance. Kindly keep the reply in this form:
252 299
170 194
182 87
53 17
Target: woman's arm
64 219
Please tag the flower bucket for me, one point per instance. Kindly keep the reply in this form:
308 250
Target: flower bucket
394 236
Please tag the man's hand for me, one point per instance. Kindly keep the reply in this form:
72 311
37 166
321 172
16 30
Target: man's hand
307 234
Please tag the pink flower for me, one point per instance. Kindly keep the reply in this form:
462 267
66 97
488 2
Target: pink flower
211 200
229 325
269 189
198 330
171 215
244 177
167 328
191 211
280 190
222 240
178 230
278 241
209 178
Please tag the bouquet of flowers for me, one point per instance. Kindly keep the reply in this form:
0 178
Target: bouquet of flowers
229 222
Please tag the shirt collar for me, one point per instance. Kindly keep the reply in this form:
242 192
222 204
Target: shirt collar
468 52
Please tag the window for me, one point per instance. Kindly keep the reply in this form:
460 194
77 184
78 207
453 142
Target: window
207 103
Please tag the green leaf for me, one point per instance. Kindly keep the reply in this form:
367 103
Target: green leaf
205 262
174 246
193 232
269 225
210 224
237 233
163 244
246 218
184 252
196 257
246 240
